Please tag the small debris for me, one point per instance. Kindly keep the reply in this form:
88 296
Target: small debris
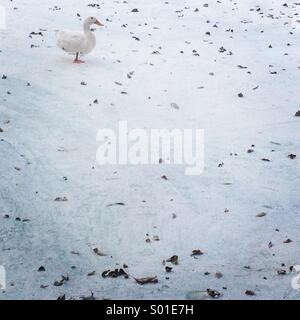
249 293
297 114
44 286
146 280
98 252
261 214
61 199
281 272
60 282
115 273
213 293
175 106
173 259
196 252
168 269
91 297
270 244
116 204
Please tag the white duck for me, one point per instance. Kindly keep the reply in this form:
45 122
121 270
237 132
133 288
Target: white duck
78 42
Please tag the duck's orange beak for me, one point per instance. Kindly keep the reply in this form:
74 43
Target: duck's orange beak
98 23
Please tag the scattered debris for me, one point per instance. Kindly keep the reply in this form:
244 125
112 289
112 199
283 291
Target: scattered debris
196 252
61 199
60 282
173 259
168 269
98 252
116 204
213 293
115 273
249 293
261 214
146 280
297 114
91 297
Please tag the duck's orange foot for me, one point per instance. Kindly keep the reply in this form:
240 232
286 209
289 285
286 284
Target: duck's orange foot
78 61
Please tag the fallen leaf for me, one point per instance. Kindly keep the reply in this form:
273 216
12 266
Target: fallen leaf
59 283
146 280
196 252
261 214
281 272
115 273
213 293
249 293
116 204
98 252
168 269
173 259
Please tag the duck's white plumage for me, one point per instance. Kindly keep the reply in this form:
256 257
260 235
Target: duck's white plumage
76 41
72 41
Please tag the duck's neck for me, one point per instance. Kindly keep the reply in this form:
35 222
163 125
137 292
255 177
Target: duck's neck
87 28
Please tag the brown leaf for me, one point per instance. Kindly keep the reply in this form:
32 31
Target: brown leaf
146 280
196 252
173 259
249 293
213 293
261 214
115 273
